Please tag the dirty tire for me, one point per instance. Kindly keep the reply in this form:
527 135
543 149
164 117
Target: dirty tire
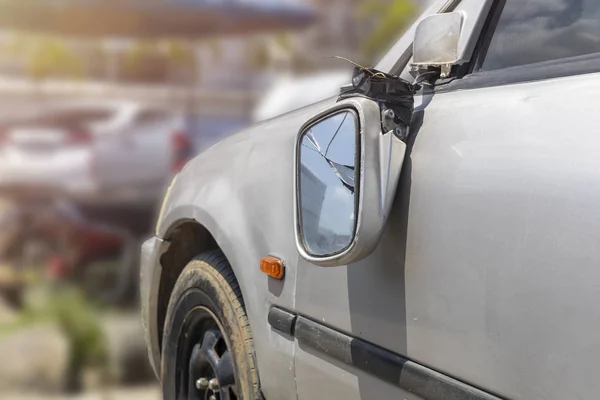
210 278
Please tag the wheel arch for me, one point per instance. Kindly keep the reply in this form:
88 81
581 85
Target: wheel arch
187 239
192 222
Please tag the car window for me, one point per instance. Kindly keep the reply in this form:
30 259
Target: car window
534 31
150 116
67 118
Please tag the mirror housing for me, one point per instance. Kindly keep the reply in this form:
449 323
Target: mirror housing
436 43
378 162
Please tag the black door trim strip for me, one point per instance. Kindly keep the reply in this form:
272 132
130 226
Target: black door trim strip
282 320
381 363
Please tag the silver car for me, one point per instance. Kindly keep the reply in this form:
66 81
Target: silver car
94 150
342 252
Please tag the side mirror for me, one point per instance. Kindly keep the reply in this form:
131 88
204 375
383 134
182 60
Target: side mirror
436 43
347 171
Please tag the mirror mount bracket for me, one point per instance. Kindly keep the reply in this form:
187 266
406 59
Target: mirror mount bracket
390 124
394 95
445 70
430 72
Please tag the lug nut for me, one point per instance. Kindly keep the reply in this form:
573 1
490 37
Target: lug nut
202 384
213 384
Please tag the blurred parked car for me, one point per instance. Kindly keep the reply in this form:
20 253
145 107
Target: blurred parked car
106 162
206 130
101 152
288 94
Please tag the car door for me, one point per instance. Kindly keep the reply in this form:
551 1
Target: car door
486 276
134 160
115 151
151 132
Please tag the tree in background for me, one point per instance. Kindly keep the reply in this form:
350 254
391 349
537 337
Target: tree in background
388 19
44 56
166 60
278 51
160 61
52 57
144 62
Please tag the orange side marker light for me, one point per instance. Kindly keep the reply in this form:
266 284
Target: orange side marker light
272 266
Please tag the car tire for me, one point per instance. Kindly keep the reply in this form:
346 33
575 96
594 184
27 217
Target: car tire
207 335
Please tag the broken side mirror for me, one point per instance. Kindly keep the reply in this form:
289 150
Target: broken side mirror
347 171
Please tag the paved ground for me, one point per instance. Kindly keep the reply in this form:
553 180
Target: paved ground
38 357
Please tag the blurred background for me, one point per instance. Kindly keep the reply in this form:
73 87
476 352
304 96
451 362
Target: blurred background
101 102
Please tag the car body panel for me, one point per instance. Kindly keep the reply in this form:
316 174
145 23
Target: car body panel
322 377
246 183
486 268
150 272
503 233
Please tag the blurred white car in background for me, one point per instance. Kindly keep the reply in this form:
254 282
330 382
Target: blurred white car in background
94 151
291 93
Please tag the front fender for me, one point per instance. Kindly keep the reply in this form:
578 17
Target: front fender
241 191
